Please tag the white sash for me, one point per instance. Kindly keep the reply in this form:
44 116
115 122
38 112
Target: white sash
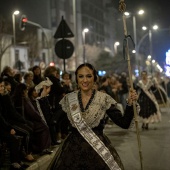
88 134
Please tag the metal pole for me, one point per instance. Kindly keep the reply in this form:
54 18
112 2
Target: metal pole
84 48
38 25
150 42
150 49
115 48
135 41
75 32
13 23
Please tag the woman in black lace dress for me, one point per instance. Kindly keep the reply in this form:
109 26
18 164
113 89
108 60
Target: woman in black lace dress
86 147
149 108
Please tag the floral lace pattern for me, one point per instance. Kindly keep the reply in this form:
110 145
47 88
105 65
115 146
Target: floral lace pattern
96 111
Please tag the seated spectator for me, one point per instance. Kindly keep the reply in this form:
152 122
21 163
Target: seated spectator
41 135
7 132
28 79
8 75
39 99
18 77
7 86
37 75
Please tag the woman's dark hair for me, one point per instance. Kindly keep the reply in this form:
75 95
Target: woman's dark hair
18 77
65 73
1 79
30 92
35 67
19 94
5 71
7 83
49 71
19 90
90 67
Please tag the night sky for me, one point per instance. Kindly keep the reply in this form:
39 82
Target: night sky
160 14
156 12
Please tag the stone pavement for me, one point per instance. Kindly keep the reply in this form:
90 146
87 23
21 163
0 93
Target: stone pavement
42 162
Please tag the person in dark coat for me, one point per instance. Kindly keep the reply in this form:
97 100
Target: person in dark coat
7 131
8 75
41 136
37 74
38 97
56 94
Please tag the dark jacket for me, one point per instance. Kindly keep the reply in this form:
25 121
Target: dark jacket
8 110
56 93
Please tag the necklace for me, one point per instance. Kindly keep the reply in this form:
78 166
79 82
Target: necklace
89 102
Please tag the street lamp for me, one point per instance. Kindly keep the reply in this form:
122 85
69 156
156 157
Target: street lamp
155 27
149 64
140 12
85 30
115 46
13 23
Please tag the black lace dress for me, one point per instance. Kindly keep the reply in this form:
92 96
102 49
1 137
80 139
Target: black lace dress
149 109
75 153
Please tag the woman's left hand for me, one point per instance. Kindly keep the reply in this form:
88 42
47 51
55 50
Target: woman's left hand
46 91
132 97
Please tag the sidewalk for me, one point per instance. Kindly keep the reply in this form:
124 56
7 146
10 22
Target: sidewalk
42 162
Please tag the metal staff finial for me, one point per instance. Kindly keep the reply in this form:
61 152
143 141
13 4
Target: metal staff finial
122 8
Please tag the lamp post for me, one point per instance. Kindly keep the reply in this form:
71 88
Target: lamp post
140 12
115 47
13 23
85 30
155 27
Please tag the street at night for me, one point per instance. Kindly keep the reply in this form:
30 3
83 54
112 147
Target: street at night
154 143
155 146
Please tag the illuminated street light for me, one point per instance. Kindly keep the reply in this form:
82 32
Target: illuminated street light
133 51
85 30
115 46
126 13
153 61
141 12
13 23
155 27
144 28
149 57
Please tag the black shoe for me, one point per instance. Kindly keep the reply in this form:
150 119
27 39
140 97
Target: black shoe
143 126
146 127
24 166
56 143
46 151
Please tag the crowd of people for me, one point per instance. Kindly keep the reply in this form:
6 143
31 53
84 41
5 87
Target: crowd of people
34 107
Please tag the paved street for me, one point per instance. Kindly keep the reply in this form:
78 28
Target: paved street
155 145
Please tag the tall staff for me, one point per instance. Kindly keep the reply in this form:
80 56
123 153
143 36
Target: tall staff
122 8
